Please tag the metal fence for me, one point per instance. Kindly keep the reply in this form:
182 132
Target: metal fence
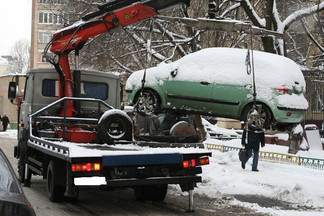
315 163
315 97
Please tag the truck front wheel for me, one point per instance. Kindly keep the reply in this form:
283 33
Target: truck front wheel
22 162
55 191
151 192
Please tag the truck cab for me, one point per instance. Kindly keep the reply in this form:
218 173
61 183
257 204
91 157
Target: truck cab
42 89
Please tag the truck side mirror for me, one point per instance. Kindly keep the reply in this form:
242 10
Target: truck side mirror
12 91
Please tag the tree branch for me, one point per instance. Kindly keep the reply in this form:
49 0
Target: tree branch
253 16
311 36
301 14
231 8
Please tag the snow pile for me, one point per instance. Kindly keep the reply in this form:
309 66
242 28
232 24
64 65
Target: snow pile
9 133
218 131
301 187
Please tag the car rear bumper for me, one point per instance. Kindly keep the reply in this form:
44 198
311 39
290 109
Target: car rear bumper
289 115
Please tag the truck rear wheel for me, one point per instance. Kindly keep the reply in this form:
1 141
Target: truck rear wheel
115 125
55 191
151 192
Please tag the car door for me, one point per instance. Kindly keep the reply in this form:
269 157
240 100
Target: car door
227 99
189 93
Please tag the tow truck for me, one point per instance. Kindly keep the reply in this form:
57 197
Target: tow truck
83 139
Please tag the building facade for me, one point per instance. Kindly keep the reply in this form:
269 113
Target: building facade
47 17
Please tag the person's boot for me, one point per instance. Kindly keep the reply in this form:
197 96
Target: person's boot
243 165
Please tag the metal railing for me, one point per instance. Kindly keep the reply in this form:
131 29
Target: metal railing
61 103
315 163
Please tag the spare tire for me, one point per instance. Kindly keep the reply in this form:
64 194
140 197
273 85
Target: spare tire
115 125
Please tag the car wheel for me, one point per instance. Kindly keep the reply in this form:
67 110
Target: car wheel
147 102
264 117
115 125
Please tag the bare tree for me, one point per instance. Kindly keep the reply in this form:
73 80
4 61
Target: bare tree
300 21
21 55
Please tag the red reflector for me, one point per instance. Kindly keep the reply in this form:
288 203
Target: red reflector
89 167
193 162
185 164
288 114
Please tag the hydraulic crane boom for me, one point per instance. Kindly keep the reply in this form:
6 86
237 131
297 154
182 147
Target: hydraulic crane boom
109 16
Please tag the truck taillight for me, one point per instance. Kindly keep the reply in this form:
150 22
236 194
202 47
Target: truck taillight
195 162
204 161
87 167
185 164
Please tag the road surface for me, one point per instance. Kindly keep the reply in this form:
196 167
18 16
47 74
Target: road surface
95 202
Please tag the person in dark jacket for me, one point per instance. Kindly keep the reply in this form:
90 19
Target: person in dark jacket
251 139
5 121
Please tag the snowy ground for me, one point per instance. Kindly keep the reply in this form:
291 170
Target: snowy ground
300 188
296 190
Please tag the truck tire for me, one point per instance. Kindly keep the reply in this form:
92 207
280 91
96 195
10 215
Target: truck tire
55 190
115 125
22 161
151 192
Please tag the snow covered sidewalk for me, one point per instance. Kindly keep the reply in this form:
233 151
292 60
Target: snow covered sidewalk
300 188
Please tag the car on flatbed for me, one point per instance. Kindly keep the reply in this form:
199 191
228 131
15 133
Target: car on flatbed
214 82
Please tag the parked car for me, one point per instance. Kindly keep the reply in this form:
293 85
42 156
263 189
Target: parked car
13 201
215 82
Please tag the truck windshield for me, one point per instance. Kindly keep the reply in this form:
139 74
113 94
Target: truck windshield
50 88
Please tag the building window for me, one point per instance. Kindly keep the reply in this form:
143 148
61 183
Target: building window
51 17
44 36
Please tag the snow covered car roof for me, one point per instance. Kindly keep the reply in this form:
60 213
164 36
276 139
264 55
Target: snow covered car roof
226 66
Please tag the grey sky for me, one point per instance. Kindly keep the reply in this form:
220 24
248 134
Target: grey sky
15 19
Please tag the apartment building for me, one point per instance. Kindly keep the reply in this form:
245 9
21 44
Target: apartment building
47 17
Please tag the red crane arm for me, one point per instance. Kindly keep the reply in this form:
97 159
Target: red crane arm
70 38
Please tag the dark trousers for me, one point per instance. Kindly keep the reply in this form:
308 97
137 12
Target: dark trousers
255 153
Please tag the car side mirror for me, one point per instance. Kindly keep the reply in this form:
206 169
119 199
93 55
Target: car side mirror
12 91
